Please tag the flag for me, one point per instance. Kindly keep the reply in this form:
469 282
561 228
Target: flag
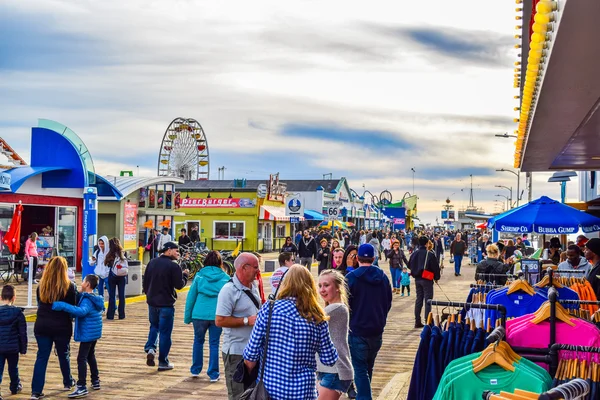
12 239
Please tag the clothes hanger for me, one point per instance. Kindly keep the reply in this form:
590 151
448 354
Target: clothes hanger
521 284
492 355
546 282
526 394
543 314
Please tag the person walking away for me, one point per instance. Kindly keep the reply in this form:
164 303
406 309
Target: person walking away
285 262
386 243
592 254
184 240
289 247
13 338
200 308
370 303
458 249
100 269
336 380
491 265
88 330
336 258
510 249
438 247
574 262
323 255
31 254
421 260
152 245
164 237
405 281
397 259
307 249
117 278
375 243
53 327
162 278
297 332
237 306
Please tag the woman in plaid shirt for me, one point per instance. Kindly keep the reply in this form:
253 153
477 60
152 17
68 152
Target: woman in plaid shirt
299 331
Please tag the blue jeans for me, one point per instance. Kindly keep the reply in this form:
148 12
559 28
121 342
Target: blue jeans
214 334
115 282
102 283
396 275
457 262
13 369
161 327
43 355
363 351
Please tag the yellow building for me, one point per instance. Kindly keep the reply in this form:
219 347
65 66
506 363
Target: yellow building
232 212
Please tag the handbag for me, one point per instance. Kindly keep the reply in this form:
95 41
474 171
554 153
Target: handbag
259 391
149 245
123 271
426 274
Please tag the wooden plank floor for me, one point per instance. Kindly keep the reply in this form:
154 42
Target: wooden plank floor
124 374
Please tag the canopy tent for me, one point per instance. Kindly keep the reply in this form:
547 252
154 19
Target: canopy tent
312 215
545 216
328 224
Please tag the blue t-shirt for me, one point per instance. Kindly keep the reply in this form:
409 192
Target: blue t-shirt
517 304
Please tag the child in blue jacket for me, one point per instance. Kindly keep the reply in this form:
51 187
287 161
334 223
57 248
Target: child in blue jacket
13 337
88 329
405 280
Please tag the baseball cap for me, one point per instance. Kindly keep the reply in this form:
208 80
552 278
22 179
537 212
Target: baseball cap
366 250
168 246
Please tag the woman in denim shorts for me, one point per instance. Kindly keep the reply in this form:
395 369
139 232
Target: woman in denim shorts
335 381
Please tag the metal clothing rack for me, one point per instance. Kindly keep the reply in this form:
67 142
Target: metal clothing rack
498 307
568 391
485 285
556 347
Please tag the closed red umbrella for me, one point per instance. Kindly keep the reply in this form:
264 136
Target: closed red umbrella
482 226
12 239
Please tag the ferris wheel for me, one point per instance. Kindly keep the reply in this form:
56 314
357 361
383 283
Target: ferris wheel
184 151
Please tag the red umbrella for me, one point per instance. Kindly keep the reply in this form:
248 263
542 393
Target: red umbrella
482 226
12 239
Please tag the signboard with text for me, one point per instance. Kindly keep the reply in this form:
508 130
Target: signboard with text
130 226
333 210
294 206
276 189
218 203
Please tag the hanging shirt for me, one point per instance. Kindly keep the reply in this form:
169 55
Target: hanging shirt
564 293
433 373
517 304
417 380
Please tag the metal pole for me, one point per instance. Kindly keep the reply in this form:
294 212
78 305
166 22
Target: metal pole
518 186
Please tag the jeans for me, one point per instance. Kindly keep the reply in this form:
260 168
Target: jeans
424 293
306 261
102 283
161 327
13 369
234 389
214 334
407 289
62 345
363 351
115 282
87 355
396 275
457 262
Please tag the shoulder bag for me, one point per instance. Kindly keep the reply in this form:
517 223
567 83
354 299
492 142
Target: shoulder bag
120 267
426 274
259 391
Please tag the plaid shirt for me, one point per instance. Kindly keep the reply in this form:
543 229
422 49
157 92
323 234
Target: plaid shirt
293 344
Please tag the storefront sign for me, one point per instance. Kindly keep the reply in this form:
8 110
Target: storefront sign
90 218
218 203
399 221
130 226
276 189
5 181
294 206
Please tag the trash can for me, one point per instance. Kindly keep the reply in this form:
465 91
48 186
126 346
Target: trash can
270 265
134 276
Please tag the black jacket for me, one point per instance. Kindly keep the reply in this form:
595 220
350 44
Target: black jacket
161 278
323 258
291 248
13 330
194 236
416 263
184 240
484 245
594 280
397 260
439 248
55 323
307 250
491 266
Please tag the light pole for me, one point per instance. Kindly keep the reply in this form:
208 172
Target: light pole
413 171
510 190
507 200
506 135
518 175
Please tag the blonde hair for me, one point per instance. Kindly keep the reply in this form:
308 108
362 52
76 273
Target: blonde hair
55 282
33 236
510 242
340 283
429 245
335 241
492 249
300 284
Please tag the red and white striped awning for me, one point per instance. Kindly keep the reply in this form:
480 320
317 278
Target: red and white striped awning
272 213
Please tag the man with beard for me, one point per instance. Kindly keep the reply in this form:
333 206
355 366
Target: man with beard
307 250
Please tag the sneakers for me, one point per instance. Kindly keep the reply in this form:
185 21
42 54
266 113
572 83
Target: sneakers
96 385
217 379
19 389
81 391
195 375
150 358
419 325
165 367
37 396
402 295
67 387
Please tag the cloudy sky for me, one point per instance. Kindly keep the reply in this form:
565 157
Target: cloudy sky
365 90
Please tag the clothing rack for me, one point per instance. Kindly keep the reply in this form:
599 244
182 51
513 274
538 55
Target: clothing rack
587 302
485 285
567 391
498 307
556 347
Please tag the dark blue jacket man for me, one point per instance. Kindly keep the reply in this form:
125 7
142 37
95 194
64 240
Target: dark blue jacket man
370 301
420 260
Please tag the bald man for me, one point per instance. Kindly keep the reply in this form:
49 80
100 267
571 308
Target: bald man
237 306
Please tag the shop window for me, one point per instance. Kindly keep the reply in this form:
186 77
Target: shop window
229 230
161 199
152 198
142 200
280 231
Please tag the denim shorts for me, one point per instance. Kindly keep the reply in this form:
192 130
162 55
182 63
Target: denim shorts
333 382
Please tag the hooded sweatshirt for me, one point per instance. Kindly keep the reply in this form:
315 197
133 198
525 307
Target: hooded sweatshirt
583 265
101 270
88 316
370 300
13 330
201 302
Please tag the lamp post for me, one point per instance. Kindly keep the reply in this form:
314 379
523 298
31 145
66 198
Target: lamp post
510 190
413 171
507 200
518 175
505 135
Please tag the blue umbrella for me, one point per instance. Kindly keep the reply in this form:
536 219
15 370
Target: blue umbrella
545 216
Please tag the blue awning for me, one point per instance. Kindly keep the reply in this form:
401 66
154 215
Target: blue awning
313 215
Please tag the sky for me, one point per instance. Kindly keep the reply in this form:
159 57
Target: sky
363 90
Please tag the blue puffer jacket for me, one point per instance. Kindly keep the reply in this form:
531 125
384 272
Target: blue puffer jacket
13 330
88 316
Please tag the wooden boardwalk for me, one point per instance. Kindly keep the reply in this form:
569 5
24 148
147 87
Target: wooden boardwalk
124 374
